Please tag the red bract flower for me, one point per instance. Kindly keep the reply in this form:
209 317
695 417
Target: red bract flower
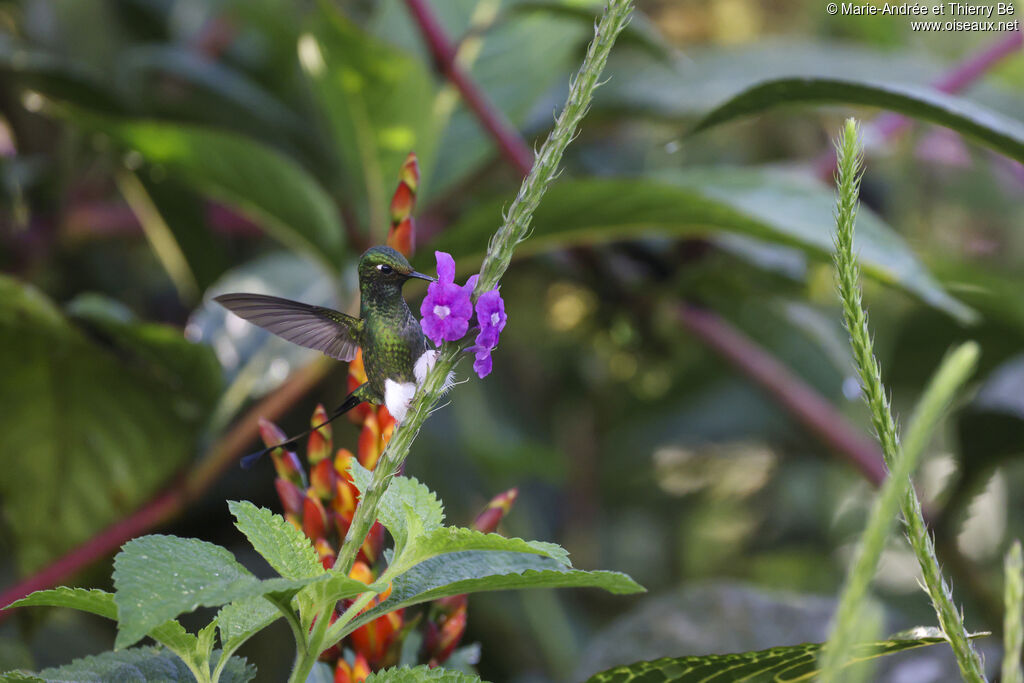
358 672
319 439
314 517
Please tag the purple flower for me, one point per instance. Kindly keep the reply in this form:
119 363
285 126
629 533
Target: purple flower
490 314
483 364
447 308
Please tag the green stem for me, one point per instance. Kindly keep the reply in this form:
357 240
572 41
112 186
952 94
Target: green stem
503 242
881 416
1013 630
309 651
951 376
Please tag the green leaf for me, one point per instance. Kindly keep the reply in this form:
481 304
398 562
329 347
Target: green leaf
242 619
94 601
407 509
378 104
57 77
420 673
283 546
99 420
454 561
1000 133
138 664
159 577
171 634
256 179
790 663
768 204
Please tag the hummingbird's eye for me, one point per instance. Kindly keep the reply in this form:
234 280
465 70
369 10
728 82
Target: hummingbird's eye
385 268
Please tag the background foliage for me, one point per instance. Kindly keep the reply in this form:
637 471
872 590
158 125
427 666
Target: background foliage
155 154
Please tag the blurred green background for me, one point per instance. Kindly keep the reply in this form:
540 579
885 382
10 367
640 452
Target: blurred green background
154 153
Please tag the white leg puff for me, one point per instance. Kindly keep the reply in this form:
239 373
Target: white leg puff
423 365
397 397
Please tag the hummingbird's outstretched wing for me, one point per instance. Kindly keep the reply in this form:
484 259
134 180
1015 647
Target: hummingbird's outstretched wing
315 327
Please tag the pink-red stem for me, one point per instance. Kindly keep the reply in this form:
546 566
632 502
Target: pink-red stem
511 144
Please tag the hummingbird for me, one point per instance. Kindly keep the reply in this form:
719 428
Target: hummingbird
396 354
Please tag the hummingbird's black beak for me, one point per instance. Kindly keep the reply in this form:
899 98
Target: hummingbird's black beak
421 276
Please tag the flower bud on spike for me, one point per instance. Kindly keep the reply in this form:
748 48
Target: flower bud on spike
357 672
320 439
314 517
369 443
445 637
488 520
402 236
361 572
326 554
286 463
292 497
324 479
342 521
386 424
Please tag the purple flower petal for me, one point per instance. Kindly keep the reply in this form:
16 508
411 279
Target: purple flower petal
483 363
490 315
445 267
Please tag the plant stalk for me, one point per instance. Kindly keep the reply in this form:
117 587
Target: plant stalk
850 164
499 254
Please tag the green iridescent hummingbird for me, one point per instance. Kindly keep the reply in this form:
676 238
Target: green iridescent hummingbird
396 354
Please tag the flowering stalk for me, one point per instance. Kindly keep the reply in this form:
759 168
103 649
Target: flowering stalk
1013 630
850 162
950 377
499 253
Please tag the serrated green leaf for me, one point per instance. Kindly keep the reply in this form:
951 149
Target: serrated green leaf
455 573
789 663
767 204
407 505
138 664
159 577
171 634
240 620
421 673
283 546
94 601
1000 133
457 539
110 415
258 180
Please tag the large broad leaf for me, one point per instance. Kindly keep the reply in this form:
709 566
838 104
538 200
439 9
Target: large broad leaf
378 103
57 77
790 663
159 577
998 132
767 204
690 84
283 546
135 664
259 181
93 421
420 673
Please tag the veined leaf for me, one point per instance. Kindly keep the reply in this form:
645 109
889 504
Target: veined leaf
472 571
1000 133
159 577
261 182
137 664
408 508
767 204
112 414
777 664
171 634
378 103
240 620
283 546
421 673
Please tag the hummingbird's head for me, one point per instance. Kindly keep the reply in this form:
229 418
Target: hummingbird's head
385 266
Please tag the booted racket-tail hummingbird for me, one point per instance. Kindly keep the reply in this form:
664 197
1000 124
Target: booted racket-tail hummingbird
396 354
